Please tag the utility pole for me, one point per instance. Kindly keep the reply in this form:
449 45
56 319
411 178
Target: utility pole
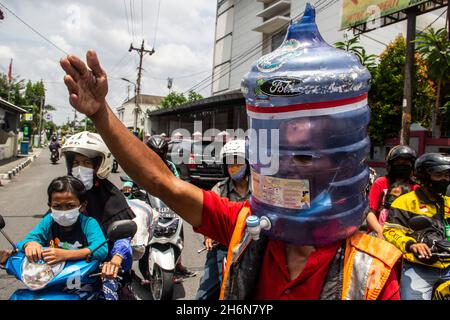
40 121
409 77
141 52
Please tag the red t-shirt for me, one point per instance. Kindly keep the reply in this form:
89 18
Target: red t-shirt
218 221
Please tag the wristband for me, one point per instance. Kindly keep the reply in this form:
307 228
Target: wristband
408 245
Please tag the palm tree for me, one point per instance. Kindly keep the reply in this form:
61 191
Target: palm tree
353 45
435 49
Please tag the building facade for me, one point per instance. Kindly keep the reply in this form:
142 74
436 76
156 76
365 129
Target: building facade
249 29
9 127
126 112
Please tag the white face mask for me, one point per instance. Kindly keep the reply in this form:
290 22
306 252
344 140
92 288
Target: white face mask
65 218
86 175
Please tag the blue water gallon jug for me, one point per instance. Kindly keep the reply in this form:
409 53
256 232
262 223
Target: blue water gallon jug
307 106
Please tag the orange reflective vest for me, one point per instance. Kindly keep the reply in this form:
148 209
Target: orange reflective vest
367 264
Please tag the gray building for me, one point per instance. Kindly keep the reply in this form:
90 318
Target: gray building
9 127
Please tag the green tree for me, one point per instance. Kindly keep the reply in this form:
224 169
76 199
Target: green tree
353 45
14 90
386 93
435 49
174 99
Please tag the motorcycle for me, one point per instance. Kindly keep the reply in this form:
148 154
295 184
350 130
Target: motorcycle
165 242
440 249
54 157
69 280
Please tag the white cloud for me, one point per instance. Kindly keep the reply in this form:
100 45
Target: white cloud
184 43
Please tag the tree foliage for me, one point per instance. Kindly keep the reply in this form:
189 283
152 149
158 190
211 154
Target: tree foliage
434 47
386 93
353 45
174 99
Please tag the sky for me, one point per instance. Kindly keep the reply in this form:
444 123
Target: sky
182 36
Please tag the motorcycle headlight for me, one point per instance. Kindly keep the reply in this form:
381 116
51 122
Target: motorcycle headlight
36 275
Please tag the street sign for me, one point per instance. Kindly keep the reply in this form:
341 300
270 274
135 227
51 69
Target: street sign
48 117
28 117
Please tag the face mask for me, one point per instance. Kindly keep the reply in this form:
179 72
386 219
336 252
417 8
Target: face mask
400 171
239 174
86 175
438 187
65 218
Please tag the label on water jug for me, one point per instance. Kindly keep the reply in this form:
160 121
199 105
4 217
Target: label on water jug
284 193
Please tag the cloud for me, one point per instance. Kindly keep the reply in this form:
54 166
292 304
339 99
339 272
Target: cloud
183 43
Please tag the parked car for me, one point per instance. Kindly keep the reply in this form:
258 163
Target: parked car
200 162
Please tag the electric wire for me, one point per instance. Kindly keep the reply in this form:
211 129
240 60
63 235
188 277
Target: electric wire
34 30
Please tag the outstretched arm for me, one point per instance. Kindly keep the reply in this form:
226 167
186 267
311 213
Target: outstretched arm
88 86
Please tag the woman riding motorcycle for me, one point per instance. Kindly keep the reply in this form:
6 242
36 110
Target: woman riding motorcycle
88 159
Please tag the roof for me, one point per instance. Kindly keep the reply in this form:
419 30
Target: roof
228 97
146 99
11 107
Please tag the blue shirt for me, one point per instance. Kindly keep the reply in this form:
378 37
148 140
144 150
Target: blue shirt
89 226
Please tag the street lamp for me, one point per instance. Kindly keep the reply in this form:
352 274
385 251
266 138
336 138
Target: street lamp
137 108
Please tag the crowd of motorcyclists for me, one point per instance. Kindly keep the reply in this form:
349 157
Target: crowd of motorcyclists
294 234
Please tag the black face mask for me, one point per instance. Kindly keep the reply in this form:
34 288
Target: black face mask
388 201
400 171
438 187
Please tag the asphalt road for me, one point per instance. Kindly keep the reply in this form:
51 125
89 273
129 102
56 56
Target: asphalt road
24 201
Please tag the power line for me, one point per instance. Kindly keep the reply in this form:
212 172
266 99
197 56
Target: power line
157 22
128 21
142 19
444 12
132 18
33 29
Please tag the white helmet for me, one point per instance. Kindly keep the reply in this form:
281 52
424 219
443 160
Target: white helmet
90 145
233 148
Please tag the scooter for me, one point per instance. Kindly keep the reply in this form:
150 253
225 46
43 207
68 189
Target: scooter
163 251
69 280
54 157
440 249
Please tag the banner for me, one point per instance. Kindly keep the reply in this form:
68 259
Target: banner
355 12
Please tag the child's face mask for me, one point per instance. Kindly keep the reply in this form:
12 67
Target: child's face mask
66 218
85 175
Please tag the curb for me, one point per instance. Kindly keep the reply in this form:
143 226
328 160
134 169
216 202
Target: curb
6 177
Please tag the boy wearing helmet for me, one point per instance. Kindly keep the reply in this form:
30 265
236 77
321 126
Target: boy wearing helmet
89 160
237 188
420 272
400 161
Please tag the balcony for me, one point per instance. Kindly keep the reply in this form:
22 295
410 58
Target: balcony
275 9
273 24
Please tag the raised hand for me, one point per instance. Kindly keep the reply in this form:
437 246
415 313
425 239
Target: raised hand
87 84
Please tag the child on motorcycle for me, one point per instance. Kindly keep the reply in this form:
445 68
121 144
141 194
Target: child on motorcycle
65 233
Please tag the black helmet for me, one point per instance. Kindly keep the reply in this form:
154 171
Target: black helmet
430 163
401 152
159 145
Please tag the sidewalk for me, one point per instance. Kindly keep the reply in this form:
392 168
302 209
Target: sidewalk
11 167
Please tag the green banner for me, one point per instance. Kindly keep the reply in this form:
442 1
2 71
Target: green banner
355 12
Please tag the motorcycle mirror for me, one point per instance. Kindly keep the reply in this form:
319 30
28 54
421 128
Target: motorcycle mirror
2 225
420 222
125 179
121 229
